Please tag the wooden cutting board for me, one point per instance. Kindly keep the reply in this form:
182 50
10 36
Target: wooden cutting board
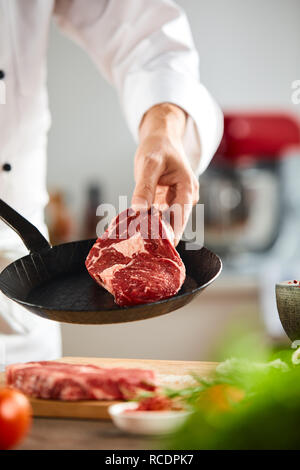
170 373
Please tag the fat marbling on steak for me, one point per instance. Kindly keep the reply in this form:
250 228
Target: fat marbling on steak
135 259
71 382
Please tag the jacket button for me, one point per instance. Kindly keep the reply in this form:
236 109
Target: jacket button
2 74
6 167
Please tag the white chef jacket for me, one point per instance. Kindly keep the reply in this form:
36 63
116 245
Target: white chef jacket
145 49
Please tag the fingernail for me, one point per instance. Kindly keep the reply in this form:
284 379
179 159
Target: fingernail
139 204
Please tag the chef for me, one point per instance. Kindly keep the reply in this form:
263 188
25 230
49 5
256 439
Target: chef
144 48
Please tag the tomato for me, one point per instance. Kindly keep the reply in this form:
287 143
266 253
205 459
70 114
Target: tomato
15 417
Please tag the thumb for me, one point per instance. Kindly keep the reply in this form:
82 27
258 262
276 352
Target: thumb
146 183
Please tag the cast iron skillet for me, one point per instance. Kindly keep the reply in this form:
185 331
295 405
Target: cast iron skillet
52 282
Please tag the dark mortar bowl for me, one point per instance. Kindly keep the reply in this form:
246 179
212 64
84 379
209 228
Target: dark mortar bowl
288 305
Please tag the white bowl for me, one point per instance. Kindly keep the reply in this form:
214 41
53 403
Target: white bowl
146 422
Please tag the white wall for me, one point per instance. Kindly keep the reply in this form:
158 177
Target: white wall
249 49
250 54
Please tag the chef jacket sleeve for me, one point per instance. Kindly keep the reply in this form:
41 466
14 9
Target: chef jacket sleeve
145 49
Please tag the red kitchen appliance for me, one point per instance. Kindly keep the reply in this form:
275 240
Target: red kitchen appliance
243 189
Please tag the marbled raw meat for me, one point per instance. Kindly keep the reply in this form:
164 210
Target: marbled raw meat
71 382
135 259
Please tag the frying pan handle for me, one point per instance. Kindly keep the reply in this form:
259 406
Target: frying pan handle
30 235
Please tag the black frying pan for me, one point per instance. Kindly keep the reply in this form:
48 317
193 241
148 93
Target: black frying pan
53 282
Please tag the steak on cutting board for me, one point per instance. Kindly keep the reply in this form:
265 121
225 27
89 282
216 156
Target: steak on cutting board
71 382
135 259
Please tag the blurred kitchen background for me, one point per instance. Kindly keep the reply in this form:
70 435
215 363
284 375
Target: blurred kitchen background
249 58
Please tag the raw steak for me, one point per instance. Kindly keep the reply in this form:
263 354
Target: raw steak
71 382
135 259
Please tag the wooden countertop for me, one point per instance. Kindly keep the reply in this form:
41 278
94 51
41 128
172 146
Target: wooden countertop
98 434
69 434
98 409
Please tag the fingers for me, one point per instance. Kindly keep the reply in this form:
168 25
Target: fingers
181 199
180 210
147 177
161 196
165 178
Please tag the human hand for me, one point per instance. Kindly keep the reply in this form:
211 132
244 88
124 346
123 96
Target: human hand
162 171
